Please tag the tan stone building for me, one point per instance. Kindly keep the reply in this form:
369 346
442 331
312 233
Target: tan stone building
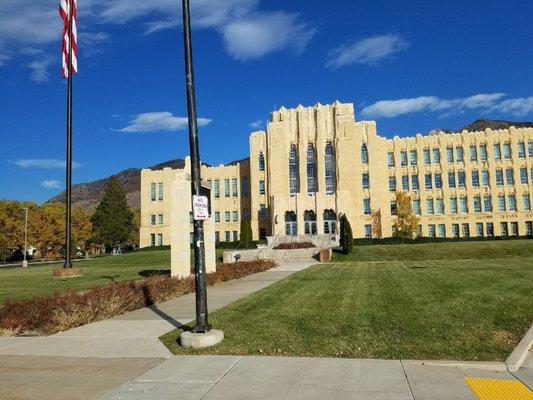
313 164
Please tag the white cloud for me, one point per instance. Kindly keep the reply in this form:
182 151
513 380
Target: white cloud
258 35
486 102
256 124
42 163
160 121
51 184
367 51
39 70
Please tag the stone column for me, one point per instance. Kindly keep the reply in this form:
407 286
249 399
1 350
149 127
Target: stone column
180 252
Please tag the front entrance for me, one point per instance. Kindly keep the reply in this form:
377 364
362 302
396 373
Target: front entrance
291 227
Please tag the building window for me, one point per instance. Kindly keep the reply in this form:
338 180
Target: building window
473 153
509 177
455 230
442 230
291 226
405 183
245 186
428 182
310 223
431 230
487 203
449 154
261 161
512 202
466 230
152 239
451 179
490 229
368 231
393 208
459 154
461 179
413 157
329 161
529 228
261 187
311 170
523 176
227 216
496 149
226 188
416 206
217 189
530 148
234 191
160 239
427 157
366 206
364 153
440 206
414 182
217 236
526 200
504 229
453 205
514 228
330 222
429 207
365 181
521 150
217 216
392 183
153 194
160 219
475 178
499 177
227 236
477 204
483 152
501 203
463 203
479 229
293 171
485 177
152 219
235 236
262 233
507 151
390 159
235 216
438 180
160 191
262 212
436 155
403 158
246 214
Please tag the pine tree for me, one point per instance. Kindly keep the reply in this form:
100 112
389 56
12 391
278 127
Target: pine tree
246 233
113 219
346 235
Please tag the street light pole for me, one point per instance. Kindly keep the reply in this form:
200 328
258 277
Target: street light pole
202 325
25 262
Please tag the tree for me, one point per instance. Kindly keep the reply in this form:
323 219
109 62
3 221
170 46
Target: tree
376 224
346 235
406 222
136 226
12 226
246 233
113 220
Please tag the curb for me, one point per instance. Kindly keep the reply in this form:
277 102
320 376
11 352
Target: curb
485 365
519 354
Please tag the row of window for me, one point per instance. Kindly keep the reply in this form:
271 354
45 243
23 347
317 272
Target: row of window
230 190
433 156
156 191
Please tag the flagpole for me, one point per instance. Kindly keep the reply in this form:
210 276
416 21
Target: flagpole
202 325
68 215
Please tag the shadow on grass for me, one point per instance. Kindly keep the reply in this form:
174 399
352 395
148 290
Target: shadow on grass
111 277
146 273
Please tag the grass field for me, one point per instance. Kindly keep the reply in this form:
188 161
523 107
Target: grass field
464 301
18 283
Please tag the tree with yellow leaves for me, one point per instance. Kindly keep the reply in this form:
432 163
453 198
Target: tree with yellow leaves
406 222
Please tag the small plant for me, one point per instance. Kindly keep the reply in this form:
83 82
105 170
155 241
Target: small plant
346 235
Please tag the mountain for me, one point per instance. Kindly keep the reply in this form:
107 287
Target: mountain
482 124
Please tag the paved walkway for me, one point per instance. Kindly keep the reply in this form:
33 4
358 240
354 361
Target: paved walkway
121 358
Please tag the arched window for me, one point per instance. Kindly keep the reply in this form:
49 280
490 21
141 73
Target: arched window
310 223
291 227
261 161
364 154
331 182
330 222
293 171
311 169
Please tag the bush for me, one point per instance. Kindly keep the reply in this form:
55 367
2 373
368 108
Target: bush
246 233
61 311
294 245
346 236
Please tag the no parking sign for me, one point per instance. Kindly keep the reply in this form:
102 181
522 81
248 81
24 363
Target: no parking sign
200 208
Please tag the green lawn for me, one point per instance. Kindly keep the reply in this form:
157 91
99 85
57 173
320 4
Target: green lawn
464 301
21 283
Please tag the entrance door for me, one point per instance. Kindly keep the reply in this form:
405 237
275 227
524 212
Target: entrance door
330 222
291 227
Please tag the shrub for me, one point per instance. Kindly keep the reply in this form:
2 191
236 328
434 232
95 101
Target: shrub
294 245
246 233
61 311
346 236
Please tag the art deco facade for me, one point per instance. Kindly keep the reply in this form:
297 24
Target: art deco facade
313 164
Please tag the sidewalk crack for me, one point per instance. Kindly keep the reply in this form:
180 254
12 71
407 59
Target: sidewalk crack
407 380
222 377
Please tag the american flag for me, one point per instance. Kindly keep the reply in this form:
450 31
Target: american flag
68 34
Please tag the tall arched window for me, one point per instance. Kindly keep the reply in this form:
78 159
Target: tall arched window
311 169
293 171
364 154
331 182
291 227
261 161
330 222
310 222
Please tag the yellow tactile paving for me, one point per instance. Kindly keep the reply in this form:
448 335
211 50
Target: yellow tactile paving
499 389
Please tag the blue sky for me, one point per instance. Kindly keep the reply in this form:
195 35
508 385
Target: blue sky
410 65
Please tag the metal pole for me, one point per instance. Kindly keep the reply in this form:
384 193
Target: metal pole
24 264
199 254
68 216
